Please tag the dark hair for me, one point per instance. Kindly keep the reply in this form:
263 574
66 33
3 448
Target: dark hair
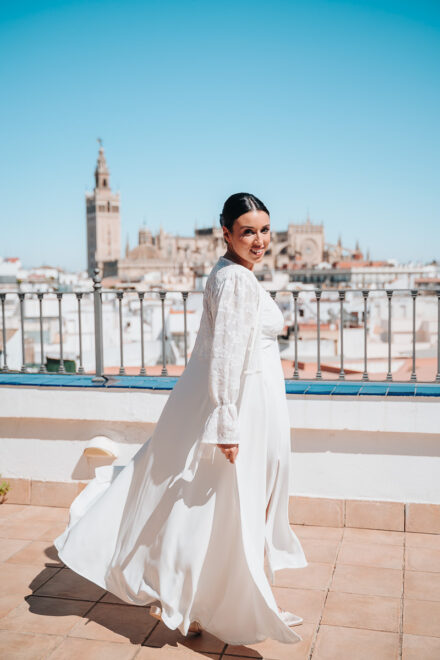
238 204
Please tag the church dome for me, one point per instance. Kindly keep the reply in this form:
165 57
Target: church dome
143 252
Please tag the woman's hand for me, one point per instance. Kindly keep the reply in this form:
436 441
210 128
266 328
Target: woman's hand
230 451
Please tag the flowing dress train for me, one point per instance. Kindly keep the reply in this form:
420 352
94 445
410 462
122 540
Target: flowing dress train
179 523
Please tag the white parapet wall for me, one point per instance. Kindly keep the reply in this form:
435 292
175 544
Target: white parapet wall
364 447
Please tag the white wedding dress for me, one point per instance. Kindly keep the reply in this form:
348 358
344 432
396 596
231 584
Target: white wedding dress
179 523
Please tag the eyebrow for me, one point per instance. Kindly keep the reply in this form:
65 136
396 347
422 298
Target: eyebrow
250 227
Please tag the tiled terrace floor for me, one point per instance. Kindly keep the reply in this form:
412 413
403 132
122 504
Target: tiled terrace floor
366 594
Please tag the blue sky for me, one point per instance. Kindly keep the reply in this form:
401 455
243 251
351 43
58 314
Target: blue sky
330 108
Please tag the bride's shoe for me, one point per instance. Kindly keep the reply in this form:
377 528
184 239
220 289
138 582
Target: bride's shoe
194 627
290 619
156 612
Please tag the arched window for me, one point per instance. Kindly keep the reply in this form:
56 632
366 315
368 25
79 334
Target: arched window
104 183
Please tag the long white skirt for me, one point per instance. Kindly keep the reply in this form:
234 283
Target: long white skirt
188 532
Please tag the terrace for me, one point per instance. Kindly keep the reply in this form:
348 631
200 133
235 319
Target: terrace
362 374
366 594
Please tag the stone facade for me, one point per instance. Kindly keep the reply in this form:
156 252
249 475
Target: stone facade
301 246
171 254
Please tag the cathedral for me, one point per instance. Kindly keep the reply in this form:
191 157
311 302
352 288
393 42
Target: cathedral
300 246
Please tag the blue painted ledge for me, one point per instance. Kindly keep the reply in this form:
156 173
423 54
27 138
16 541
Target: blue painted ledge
334 388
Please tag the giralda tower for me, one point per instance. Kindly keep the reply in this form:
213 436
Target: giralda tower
103 222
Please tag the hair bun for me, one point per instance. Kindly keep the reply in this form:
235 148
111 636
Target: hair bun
238 204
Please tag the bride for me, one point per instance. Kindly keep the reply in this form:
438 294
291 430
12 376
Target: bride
190 519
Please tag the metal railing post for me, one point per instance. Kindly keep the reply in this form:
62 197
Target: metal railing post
79 296
120 295
42 369
23 357
141 295
341 323
414 294
295 333
389 293
318 294
97 312
164 371
185 330
437 378
61 369
5 357
365 293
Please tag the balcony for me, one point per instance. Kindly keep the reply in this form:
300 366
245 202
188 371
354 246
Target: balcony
356 433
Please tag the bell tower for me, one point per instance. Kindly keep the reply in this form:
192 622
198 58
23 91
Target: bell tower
103 222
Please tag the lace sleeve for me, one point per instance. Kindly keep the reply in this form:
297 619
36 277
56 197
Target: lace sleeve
233 311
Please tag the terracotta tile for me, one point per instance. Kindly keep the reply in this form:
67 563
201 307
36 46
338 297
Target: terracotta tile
423 559
67 584
368 580
170 653
22 579
54 616
320 550
163 636
372 536
24 646
271 649
356 611
336 643
421 617
51 533
420 648
414 540
115 623
20 491
72 649
39 553
9 547
8 510
57 493
313 576
51 513
306 603
111 598
317 532
9 602
363 554
375 515
316 511
41 575
422 586
23 529
423 518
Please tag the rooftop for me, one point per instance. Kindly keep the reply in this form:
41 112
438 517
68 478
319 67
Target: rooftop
366 594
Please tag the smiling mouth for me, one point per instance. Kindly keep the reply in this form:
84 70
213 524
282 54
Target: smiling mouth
257 252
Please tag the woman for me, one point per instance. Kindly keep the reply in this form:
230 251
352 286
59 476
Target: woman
179 523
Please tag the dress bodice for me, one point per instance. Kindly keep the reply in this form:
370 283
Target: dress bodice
272 320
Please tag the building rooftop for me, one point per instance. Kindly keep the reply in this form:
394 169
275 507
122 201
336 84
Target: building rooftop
366 594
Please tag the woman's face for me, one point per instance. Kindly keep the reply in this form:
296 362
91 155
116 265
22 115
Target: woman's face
249 238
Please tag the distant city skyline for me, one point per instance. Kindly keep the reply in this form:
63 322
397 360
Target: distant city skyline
322 108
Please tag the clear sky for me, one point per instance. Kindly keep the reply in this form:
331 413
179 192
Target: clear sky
330 108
